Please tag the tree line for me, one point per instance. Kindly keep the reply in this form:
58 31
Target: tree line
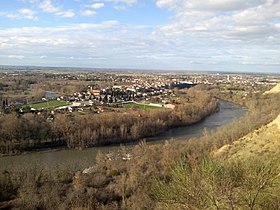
18 133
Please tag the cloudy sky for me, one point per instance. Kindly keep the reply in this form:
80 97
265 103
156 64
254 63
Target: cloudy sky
226 35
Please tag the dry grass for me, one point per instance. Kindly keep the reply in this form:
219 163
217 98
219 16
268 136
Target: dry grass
275 89
265 140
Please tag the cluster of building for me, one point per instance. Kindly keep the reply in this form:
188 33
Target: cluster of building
119 94
115 87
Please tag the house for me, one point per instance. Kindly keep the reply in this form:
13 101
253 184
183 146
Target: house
169 106
95 92
76 104
117 87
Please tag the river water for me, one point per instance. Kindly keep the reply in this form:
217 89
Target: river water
228 112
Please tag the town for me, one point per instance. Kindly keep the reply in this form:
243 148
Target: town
36 91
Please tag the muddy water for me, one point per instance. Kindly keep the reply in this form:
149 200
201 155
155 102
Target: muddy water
50 159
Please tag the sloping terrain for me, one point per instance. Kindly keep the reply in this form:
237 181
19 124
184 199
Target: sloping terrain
275 89
263 141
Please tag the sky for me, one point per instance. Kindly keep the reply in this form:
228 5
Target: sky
214 35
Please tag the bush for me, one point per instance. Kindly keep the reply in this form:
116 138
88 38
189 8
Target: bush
211 184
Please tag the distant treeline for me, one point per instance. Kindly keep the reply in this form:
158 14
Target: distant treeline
79 131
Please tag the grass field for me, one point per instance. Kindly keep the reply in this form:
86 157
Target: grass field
133 105
48 104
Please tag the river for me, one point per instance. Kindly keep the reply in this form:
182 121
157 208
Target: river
228 112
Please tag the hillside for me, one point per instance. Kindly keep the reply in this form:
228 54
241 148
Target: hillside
275 89
263 141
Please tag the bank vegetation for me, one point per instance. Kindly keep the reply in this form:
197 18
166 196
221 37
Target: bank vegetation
31 131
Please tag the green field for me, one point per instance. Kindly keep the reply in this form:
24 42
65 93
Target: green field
133 105
48 104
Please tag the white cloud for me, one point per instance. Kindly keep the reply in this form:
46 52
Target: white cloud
28 1
97 5
33 39
66 14
120 7
166 3
118 4
209 5
127 46
28 14
221 5
232 20
128 2
209 34
110 43
88 13
16 56
47 6
22 13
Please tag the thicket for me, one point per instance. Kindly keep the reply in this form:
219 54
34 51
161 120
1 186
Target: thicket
81 131
174 175
213 184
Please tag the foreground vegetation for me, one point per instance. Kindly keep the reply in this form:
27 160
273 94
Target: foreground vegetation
212 184
148 182
176 175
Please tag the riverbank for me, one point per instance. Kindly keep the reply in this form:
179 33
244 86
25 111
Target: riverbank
35 132
57 146
227 113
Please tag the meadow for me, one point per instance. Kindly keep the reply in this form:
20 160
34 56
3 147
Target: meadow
48 104
133 105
